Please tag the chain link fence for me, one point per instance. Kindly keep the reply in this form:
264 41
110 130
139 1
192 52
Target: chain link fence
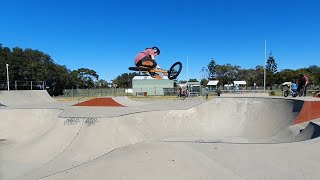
23 85
119 92
158 91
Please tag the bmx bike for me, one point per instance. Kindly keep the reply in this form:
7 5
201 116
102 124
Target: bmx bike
287 92
172 73
293 93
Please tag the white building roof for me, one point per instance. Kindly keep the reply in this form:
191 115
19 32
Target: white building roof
212 83
240 82
286 83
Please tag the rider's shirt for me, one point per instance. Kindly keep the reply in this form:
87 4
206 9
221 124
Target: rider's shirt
294 87
143 54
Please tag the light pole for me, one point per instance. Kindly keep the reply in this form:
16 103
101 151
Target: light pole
265 62
7 65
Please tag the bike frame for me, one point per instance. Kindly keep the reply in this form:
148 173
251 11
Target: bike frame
155 70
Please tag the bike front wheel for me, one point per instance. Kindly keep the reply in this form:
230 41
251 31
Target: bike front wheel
175 70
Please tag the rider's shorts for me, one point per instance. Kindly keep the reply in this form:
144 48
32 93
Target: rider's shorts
147 61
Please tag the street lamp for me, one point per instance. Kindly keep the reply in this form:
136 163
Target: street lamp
264 66
7 65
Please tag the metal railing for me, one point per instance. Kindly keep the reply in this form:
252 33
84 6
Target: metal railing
23 85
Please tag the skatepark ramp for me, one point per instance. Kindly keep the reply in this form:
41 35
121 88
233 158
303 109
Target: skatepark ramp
105 101
25 97
38 144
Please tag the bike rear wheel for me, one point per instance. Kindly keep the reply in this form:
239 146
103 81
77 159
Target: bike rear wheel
301 91
175 70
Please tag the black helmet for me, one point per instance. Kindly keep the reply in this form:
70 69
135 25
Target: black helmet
301 75
156 50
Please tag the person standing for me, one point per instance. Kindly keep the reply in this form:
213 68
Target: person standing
207 93
303 82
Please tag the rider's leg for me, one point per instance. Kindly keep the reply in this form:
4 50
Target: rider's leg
299 87
148 62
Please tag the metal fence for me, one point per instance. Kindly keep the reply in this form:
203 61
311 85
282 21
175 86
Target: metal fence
96 92
154 91
116 92
23 85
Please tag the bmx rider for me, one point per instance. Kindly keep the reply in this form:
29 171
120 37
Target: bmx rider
147 58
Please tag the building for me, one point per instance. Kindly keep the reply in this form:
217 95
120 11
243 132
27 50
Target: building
240 85
212 84
148 86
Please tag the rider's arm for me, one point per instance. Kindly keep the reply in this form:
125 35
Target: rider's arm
307 80
152 57
151 54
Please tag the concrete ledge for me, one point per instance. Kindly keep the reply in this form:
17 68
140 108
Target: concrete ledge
244 94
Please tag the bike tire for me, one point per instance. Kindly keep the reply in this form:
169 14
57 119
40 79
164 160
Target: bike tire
175 70
286 93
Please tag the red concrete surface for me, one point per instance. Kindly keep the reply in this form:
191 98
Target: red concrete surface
309 111
100 102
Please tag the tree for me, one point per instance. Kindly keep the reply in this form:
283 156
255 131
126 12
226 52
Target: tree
212 68
205 73
259 77
286 75
204 82
102 84
248 75
124 80
314 74
271 68
87 77
227 73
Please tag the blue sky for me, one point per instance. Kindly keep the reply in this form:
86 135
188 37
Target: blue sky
106 35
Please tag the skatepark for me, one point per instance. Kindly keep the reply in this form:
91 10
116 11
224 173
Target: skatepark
233 137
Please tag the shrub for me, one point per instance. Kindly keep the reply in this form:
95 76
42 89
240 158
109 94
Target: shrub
272 93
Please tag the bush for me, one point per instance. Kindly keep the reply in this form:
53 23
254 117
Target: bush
272 93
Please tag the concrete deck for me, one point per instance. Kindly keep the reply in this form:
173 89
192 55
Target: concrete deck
243 137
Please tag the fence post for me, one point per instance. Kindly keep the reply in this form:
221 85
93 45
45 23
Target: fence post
31 85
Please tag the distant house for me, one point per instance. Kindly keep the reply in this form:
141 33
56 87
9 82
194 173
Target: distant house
193 87
212 85
240 85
